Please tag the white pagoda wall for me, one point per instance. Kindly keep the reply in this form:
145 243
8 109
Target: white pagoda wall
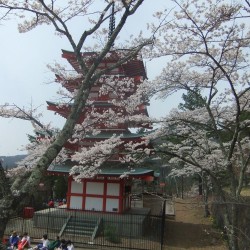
112 205
106 195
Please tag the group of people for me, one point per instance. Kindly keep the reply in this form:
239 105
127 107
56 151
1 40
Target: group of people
56 244
20 242
56 203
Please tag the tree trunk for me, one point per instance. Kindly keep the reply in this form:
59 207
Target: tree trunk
230 219
200 184
6 202
177 189
205 196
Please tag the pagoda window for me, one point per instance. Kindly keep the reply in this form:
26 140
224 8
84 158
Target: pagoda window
85 144
102 65
113 71
95 89
114 157
93 95
112 95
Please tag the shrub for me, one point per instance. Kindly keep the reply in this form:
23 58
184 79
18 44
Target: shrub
110 234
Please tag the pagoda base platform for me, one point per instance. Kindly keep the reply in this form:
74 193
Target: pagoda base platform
131 223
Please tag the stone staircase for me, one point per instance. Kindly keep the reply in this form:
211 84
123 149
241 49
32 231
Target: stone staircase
85 227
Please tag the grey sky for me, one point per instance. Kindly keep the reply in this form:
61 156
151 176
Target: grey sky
24 76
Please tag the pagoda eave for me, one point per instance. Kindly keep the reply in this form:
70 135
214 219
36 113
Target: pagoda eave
139 173
133 67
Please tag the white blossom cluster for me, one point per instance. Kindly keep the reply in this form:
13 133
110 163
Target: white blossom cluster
207 43
90 159
10 110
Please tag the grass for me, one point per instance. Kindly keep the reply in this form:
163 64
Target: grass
245 191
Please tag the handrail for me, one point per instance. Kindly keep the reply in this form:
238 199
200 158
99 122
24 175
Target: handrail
96 229
64 226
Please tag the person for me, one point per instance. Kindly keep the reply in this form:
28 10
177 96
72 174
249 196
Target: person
51 203
54 244
24 241
45 243
13 240
70 245
63 245
60 203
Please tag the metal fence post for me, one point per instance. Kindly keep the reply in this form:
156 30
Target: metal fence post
163 223
75 225
23 225
130 233
48 222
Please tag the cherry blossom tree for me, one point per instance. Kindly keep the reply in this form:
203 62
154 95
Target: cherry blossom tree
95 15
207 44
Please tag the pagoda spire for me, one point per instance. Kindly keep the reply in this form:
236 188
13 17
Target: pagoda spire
112 20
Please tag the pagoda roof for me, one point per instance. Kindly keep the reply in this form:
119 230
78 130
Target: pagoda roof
133 67
135 172
72 84
106 135
69 84
112 169
64 109
102 104
95 104
104 172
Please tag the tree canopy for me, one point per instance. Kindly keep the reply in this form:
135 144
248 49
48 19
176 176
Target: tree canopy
208 43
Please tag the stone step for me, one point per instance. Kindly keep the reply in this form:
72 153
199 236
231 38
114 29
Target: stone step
78 232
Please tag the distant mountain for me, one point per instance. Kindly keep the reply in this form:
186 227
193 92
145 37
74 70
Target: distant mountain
10 161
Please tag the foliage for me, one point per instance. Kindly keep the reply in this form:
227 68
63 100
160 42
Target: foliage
192 100
207 44
60 188
111 234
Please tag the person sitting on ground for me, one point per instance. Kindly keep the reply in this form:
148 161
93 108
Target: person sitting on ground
60 203
13 240
70 245
63 245
24 241
54 244
45 243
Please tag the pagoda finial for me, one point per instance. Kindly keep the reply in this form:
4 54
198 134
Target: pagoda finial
112 20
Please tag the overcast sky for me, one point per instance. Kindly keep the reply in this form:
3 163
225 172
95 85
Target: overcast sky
24 76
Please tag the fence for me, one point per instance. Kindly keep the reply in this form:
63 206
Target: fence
137 229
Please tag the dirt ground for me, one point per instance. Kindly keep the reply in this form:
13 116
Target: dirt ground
190 230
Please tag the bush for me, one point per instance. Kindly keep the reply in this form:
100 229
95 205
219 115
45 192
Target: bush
110 234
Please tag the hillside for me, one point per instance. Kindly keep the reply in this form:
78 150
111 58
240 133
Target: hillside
10 161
